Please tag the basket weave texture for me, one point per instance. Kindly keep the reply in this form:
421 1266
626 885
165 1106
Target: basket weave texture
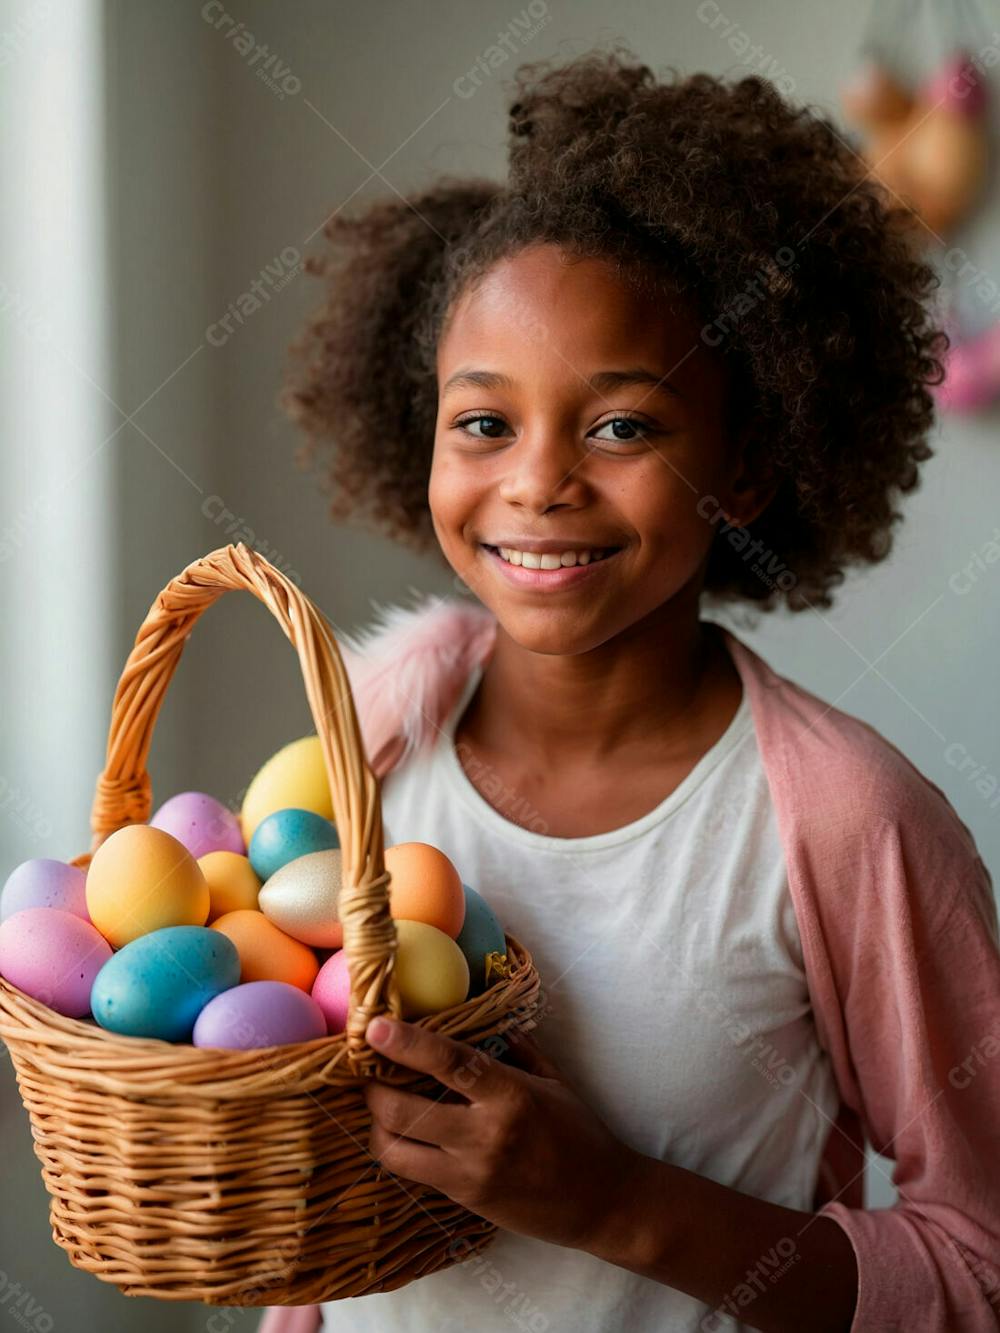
244 1177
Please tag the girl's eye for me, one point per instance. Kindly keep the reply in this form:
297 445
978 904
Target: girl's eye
624 430
619 430
492 427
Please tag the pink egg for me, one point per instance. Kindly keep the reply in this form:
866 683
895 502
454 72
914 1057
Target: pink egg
259 1013
332 991
45 883
201 823
53 956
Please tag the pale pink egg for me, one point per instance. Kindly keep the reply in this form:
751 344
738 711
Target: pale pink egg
52 956
332 991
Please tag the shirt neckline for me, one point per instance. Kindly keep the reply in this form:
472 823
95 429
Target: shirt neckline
461 785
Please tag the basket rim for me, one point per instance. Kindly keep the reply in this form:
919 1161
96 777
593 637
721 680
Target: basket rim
149 1067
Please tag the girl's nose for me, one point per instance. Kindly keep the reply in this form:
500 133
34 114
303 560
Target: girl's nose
545 472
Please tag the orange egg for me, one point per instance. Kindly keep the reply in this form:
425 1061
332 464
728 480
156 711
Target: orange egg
141 879
267 953
425 886
232 882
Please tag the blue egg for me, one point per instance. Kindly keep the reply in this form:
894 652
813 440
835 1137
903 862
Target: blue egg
481 934
158 984
286 835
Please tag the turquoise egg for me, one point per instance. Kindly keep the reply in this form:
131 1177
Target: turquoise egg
481 934
286 835
158 984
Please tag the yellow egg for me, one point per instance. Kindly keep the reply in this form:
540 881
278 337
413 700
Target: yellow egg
141 879
232 882
294 778
425 886
267 953
430 969
302 899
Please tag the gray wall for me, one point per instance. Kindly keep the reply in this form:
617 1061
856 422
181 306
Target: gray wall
207 176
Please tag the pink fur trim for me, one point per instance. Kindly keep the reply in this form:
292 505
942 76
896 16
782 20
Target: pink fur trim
291 1319
407 668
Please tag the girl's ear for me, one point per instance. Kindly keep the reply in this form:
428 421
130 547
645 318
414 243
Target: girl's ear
754 482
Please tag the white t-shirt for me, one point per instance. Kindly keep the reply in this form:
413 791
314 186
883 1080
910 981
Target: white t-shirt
676 1004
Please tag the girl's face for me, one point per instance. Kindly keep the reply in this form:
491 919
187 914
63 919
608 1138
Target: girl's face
577 418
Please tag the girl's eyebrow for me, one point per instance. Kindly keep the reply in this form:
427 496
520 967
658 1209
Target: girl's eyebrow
601 382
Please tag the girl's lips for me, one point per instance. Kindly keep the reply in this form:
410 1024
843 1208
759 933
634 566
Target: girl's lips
563 577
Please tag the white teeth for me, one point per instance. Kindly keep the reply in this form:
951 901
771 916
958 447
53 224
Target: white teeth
550 560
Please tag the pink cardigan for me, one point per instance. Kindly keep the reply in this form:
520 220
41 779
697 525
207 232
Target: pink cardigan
899 935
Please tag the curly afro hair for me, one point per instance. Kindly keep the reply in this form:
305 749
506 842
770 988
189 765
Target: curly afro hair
757 210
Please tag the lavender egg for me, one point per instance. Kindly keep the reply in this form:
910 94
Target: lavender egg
259 1013
201 823
45 883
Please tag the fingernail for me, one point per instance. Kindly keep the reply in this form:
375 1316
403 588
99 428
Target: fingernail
378 1031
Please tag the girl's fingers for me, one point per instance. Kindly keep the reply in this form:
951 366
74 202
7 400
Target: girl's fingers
414 1161
425 1119
474 1074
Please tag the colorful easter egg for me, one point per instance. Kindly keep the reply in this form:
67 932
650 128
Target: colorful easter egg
267 953
430 969
302 897
53 956
260 1013
232 882
425 886
201 823
142 879
332 991
481 934
157 985
294 778
45 883
284 835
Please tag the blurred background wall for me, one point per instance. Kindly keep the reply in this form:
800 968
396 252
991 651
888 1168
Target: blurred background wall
152 176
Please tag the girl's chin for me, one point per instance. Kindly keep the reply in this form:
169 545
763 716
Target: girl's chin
555 628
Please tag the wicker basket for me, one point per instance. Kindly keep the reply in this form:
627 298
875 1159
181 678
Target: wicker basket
243 1177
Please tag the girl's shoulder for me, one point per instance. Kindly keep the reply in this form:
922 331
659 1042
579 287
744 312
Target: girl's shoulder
831 760
862 826
845 796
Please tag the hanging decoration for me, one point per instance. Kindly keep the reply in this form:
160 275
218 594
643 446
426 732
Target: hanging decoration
927 145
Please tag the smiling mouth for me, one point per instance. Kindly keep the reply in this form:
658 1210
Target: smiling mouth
551 560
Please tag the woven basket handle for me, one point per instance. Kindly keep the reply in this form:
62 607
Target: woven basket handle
124 794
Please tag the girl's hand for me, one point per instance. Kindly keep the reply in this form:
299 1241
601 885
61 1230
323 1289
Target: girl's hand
518 1146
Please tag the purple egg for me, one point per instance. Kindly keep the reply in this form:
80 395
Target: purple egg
45 883
259 1013
201 823
52 956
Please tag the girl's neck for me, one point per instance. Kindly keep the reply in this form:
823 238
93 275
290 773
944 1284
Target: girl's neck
666 682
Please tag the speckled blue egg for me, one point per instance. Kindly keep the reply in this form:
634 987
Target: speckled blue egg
481 934
286 835
158 984
259 1013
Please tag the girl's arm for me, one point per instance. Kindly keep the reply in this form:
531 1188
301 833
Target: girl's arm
900 932
773 1268
521 1149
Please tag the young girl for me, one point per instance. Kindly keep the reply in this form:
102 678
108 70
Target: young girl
682 355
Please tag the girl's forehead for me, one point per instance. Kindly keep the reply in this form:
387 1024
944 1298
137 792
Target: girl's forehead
544 306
